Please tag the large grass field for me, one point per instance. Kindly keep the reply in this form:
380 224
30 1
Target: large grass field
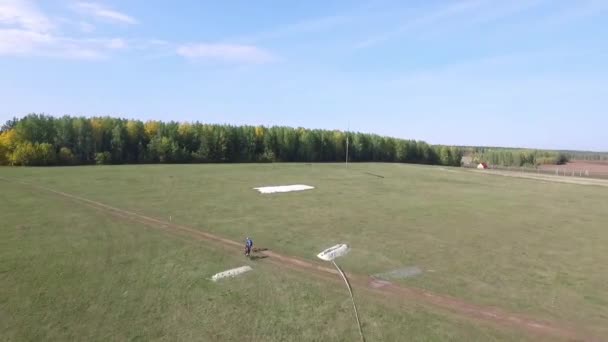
69 271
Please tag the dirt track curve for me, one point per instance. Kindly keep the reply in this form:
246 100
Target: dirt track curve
359 282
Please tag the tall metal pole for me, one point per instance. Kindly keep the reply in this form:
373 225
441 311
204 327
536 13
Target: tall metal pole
348 129
347 150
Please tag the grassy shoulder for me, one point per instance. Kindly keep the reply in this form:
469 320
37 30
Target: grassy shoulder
523 245
72 273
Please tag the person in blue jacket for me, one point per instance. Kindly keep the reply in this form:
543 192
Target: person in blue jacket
248 246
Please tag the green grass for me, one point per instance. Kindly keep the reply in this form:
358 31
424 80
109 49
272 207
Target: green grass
72 273
526 246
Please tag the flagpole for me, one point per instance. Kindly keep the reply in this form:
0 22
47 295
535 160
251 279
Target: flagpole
347 145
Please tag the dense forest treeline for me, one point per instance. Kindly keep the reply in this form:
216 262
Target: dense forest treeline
516 157
528 157
588 156
46 140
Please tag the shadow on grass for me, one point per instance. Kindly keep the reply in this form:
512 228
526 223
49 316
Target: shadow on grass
373 174
257 257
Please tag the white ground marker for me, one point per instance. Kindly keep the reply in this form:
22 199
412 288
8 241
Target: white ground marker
283 188
231 273
334 252
330 254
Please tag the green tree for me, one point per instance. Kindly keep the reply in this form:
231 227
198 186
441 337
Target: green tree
28 154
445 156
46 154
10 124
83 140
135 135
65 156
36 128
117 144
104 140
24 154
103 158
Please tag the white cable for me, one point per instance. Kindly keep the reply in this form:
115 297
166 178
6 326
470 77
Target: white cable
352 298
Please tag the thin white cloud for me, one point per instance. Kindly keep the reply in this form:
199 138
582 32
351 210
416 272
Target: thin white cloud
233 53
116 43
442 13
579 11
86 27
101 12
26 31
99 43
313 25
456 15
487 13
316 25
18 42
153 45
467 14
23 13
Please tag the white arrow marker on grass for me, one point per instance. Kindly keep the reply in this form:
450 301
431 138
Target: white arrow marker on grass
231 273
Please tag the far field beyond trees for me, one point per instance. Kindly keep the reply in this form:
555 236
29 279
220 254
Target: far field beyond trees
39 140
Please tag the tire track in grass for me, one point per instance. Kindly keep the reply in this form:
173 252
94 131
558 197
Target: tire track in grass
392 291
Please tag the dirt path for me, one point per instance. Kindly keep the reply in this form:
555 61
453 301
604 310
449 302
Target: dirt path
359 282
545 177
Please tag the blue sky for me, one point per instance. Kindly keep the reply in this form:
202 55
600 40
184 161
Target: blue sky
471 72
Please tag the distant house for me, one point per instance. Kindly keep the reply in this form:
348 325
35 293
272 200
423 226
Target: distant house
482 166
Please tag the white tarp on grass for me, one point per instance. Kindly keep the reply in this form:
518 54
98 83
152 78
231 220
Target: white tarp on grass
334 252
231 273
283 188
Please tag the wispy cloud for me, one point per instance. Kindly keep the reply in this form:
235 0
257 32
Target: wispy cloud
312 25
150 44
86 27
16 42
24 14
233 53
101 12
20 42
451 16
579 11
423 19
29 32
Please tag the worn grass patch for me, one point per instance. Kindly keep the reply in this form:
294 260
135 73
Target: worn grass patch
526 246
74 273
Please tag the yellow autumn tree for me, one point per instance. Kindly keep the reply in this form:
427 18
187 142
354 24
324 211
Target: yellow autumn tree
97 132
151 128
8 143
135 131
3 150
339 141
259 132
184 129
